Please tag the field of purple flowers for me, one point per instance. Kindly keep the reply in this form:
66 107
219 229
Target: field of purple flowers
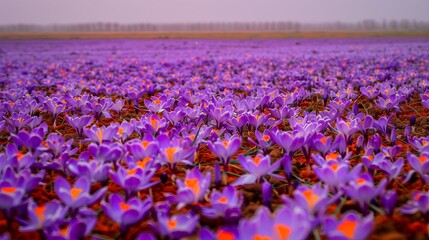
205 139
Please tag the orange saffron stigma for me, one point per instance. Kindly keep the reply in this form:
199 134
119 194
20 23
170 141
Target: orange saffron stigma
145 144
75 192
142 163
157 102
8 190
171 224
124 206
266 138
256 160
283 231
422 159
40 212
154 122
361 181
348 228
225 143
260 237
121 131
310 197
332 156
169 152
324 140
225 235
223 199
131 171
193 184
335 167
99 134
19 155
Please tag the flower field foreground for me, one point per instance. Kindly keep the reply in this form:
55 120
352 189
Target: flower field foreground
204 139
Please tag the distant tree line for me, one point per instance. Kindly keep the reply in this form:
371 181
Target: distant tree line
366 25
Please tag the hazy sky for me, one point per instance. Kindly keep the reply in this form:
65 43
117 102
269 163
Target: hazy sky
162 11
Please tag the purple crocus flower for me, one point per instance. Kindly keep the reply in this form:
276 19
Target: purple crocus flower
335 173
124 212
347 128
125 130
96 171
369 92
350 226
263 141
313 200
172 152
158 104
239 122
105 152
225 149
17 121
388 200
192 189
420 164
226 204
30 140
43 216
287 223
23 178
419 202
382 124
289 141
56 107
11 195
257 167
133 180
101 134
79 123
57 145
78 195
177 226
363 190
321 143
151 124
15 158
257 119
99 108
78 227
174 116
141 149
